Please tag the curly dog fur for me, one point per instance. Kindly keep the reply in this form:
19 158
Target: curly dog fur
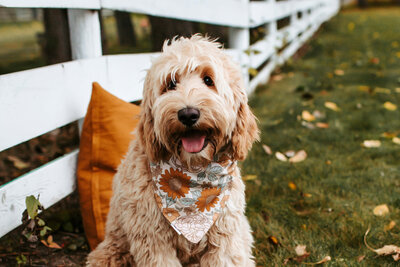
137 233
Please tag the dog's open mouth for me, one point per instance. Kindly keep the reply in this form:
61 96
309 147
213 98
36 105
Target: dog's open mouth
194 141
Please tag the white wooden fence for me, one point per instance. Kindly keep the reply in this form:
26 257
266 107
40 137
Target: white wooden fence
36 101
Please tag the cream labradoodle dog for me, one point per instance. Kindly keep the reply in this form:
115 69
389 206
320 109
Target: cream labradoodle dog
178 196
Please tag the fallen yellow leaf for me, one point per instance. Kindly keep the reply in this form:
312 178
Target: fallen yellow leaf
249 177
381 210
398 54
280 156
364 88
382 90
273 240
389 135
390 226
267 149
339 72
298 157
395 44
371 143
253 72
396 140
389 106
332 106
307 116
397 90
322 125
292 186
301 250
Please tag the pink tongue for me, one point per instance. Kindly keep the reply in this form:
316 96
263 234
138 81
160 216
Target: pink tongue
193 144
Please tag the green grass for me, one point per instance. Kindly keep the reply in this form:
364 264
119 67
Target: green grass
345 180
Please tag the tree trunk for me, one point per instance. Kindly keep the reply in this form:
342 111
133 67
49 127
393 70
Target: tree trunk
362 3
56 44
163 28
126 34
104 46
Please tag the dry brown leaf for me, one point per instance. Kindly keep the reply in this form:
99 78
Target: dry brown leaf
374 60
339 72
298 157
385 250
360 258
290 153
389 226
371 143
249 177
300 250
318 114
277 77
280 156
381 210
326 259
50 243
308 125
332 106
389 106
267 149
292 186
18 163
396 140
322 125
307 116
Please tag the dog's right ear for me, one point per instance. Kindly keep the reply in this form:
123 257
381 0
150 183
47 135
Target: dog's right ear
151 145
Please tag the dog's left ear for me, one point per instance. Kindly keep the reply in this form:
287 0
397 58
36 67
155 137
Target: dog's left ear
246 130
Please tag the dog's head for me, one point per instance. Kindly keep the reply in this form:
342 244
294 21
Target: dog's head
195 105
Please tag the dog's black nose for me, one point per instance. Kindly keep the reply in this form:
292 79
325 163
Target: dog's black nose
188 116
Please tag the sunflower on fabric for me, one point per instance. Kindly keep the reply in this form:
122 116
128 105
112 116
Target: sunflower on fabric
208 199
175 183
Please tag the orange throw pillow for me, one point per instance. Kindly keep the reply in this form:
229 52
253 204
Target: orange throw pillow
106 134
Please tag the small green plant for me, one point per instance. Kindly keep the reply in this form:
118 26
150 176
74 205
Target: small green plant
35 227
21 259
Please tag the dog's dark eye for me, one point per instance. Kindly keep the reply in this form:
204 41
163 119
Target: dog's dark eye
171 85
208 81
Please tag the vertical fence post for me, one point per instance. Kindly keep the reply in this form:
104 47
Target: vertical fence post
272 27
85 34
239 38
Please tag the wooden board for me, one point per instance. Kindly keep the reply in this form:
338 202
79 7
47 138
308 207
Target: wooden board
36 101
222 12
79 4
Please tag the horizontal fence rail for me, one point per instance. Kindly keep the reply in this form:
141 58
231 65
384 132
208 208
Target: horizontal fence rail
37 101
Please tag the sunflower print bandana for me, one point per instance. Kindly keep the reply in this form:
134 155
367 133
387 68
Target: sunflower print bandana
191 201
